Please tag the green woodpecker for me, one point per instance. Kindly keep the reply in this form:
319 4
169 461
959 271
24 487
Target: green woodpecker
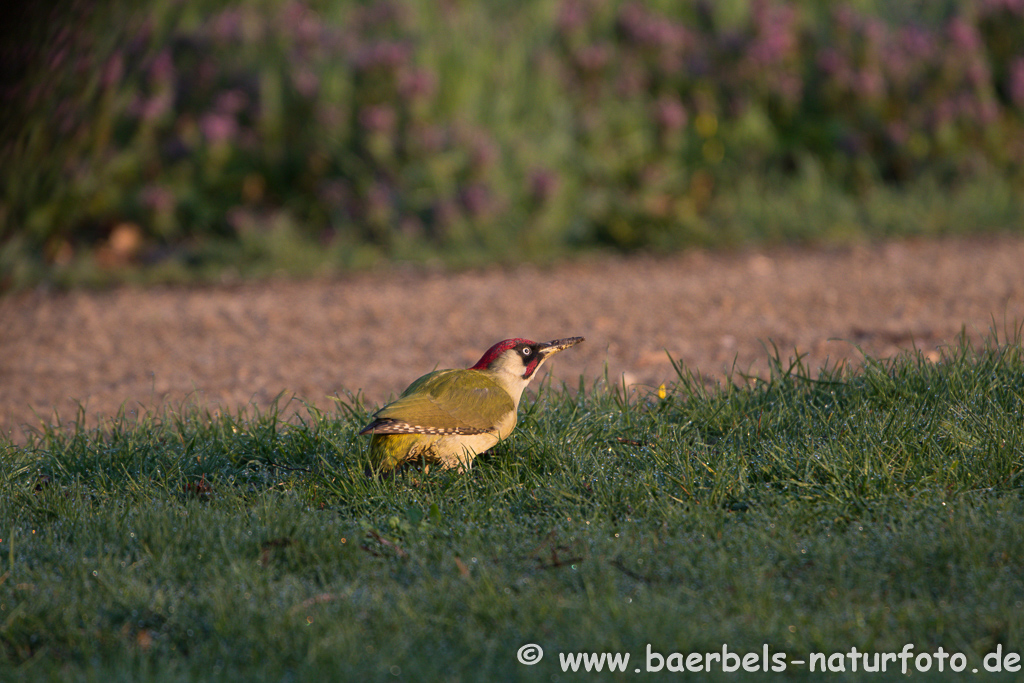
450 416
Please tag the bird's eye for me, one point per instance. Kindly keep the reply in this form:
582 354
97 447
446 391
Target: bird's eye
527 351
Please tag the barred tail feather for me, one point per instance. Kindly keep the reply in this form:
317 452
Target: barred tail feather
392 426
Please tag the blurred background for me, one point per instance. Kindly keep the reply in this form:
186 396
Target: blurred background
202 140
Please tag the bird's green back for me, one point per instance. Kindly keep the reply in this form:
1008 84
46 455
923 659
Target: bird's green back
451 399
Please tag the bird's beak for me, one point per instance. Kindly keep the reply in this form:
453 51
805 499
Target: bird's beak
548 349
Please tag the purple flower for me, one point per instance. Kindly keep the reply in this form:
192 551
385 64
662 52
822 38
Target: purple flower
944 112
226 26
646 29
776 39
162 68
418 84
670 113
157 106
306 82
1017 81
1012 6
875 31
57 57
977 73
830 60
65 115
298 17
378 119
231 101
429 138
379 14
916 42
446 213
632 78
217 128
845 17
241 220
330 116
157 198
411 226
898 131
543 185
870 84
593 58
964 35
477 200
113 71
381 55
334 193
379 199
790 86
571 16
987 111
484 152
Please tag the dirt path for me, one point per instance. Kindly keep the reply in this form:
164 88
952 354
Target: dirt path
226 346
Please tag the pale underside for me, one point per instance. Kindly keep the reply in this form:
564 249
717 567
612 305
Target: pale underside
449 451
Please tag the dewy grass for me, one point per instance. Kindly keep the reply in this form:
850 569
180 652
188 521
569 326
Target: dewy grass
800 513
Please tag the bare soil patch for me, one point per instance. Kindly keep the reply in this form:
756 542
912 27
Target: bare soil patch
224 347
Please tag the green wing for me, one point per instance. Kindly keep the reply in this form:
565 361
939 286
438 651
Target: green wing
446 401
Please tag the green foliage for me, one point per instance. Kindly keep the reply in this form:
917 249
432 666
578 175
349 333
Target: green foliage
182 139
868 508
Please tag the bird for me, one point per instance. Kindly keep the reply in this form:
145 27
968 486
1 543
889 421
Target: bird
449 417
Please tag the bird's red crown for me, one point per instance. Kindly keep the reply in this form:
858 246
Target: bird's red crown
498 349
